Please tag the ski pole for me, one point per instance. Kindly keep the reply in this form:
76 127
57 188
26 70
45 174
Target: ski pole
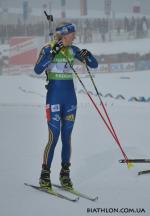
106 113
51 30
50 22
96 107
101 102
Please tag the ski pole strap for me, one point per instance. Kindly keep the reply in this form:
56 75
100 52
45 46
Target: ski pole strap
59 76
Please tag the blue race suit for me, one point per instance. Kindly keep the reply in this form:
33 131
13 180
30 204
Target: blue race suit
61 102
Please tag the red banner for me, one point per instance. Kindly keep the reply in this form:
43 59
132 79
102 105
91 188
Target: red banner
23 50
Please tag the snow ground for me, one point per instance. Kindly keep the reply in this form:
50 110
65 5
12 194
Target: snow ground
95 168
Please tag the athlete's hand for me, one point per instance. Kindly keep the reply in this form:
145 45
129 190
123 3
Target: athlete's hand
57 47
84 54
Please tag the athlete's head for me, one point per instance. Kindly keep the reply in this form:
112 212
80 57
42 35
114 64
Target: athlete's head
66 32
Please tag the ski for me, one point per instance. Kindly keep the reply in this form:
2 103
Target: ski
52 192
144 172
75 192
135 161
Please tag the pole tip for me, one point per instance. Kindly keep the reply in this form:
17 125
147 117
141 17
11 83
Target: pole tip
130 165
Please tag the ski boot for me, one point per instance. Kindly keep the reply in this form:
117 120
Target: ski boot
44 180
64 178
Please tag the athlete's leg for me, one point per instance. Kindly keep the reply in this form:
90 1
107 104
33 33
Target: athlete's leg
53 119
68 119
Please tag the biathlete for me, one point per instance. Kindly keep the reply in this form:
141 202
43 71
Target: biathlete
61 102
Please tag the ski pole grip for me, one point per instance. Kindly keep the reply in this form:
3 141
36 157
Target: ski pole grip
49 17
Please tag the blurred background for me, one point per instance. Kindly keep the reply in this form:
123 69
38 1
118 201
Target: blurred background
26 18
24 28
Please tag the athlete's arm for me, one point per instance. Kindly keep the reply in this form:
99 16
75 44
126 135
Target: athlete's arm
44 59
46 56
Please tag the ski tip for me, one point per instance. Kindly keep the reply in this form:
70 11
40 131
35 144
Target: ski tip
130 165
144 172
77 199
141 173
96 198
121 161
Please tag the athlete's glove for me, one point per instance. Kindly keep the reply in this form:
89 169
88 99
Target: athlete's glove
84 54
57 47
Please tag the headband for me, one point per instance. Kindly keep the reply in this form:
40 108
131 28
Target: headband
66 29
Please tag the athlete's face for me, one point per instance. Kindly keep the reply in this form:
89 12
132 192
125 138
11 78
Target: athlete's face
68 39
